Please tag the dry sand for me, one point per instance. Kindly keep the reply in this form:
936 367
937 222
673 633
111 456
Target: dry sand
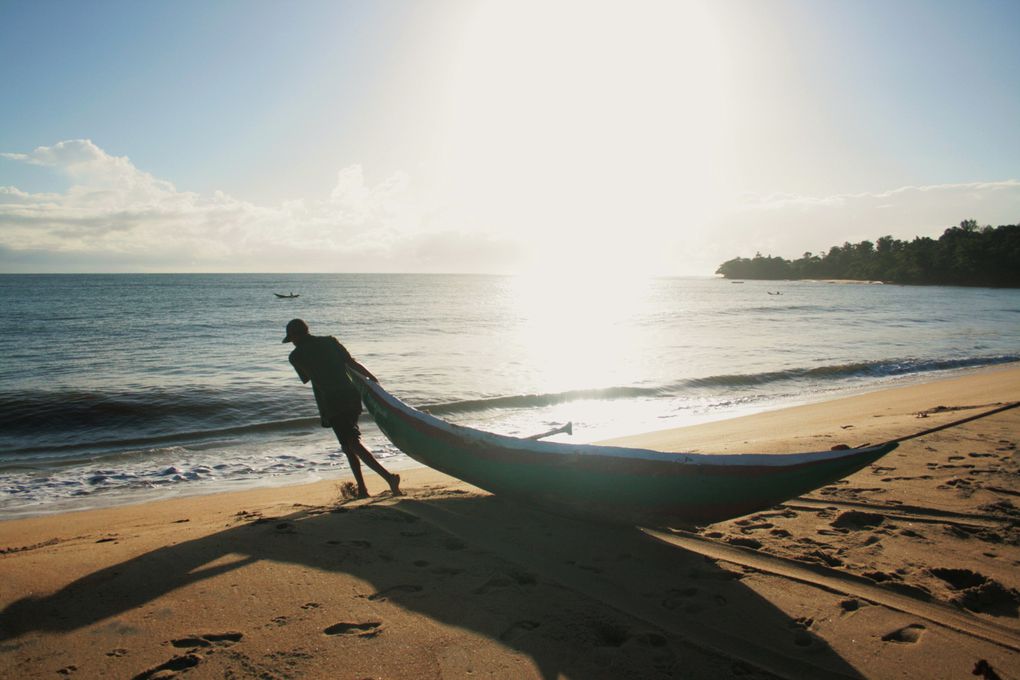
906 569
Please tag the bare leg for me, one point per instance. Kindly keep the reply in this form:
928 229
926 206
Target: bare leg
352 460
353 444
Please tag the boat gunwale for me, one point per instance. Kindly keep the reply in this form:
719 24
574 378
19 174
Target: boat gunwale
468 436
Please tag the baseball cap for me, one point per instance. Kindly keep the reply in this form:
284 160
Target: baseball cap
296 328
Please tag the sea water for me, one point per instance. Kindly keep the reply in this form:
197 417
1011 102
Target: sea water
119 388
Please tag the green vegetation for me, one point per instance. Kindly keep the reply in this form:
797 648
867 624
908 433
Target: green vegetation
966 255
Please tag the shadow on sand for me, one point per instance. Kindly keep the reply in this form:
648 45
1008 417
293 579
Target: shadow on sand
551 588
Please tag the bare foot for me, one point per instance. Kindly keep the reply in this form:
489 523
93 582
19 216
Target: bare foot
395 485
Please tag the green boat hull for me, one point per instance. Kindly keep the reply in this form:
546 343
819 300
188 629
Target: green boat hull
609 483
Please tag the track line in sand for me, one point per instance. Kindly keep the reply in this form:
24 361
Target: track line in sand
843 583
903 513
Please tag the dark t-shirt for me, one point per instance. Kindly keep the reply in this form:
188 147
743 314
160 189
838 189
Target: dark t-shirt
323 360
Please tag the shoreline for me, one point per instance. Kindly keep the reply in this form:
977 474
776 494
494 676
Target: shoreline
122 497
450 580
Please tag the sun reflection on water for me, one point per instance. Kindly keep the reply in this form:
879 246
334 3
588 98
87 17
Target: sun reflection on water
580 331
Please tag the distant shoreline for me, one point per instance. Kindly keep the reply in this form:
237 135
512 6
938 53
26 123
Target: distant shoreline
967 255
842 281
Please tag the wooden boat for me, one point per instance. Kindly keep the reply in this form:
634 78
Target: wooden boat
287 297
610 483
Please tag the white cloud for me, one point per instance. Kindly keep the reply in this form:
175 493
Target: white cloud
115 213
66 153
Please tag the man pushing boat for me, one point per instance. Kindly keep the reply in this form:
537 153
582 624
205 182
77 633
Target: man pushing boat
324 361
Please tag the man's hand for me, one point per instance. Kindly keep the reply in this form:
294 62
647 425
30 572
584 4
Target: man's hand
364 371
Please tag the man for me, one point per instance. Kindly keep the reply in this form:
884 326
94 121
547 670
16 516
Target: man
324 361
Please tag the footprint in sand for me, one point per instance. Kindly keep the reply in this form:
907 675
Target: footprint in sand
881 576
979 593
963 485
678 597
178 663
518 629
908 634
851 604
383 595
802 638
822 557
959 579
855 520
356 543
208 640
504 581
446 571
367 629
610 634
494 583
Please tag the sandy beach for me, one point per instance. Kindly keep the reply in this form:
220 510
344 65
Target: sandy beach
908 568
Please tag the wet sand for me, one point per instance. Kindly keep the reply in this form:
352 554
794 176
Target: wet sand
908 568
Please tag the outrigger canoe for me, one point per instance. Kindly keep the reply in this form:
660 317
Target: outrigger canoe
609 483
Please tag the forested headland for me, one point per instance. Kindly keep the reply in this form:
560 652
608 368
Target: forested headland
967 255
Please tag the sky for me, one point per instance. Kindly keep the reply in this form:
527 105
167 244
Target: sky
587 137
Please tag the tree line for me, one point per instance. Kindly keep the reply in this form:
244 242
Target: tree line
966 255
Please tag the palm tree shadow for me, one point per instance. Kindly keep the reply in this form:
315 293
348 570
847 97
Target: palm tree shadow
546 586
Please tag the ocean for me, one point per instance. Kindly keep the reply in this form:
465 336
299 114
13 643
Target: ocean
125 388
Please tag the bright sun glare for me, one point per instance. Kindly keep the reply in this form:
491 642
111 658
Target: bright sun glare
571 325
587 130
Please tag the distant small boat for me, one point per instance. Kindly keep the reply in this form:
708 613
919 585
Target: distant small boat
736 281
286 297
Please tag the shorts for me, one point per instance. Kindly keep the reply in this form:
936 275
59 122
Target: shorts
345 424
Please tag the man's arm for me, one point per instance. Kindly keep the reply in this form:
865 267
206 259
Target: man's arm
352 362
301 374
